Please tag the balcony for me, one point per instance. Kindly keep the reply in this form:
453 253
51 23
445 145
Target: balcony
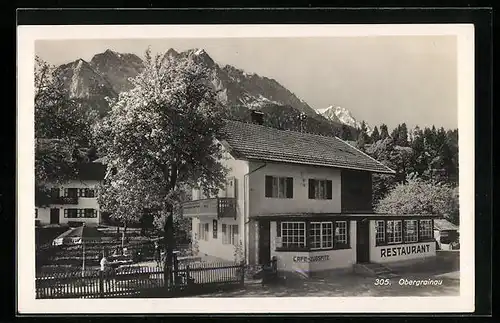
222 207
64 200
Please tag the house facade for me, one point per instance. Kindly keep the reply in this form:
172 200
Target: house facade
304 199
74 202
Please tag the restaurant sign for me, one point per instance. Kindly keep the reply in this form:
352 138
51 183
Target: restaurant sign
404 250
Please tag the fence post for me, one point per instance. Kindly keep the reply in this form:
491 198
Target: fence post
101 283
176 270
242 268
188 276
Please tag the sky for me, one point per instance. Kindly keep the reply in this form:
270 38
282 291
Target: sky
380 79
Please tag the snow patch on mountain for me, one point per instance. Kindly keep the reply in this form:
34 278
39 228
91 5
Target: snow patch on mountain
342 115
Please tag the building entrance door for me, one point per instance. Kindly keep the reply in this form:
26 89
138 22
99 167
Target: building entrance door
54 216
363 241
264 242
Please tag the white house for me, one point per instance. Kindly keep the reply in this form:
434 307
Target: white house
304 199
73 202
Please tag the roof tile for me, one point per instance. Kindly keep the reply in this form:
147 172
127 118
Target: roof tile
253 141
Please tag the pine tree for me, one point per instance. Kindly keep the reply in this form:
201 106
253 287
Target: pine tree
375 135
364 133
419 158
402 136
395 134
384 133
345 133
360 142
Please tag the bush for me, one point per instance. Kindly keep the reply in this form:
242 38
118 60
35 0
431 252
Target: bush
423 197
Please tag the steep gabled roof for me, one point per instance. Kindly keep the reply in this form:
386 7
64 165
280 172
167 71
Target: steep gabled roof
253 141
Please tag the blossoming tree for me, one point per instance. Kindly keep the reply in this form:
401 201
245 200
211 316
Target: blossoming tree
419 196
161 137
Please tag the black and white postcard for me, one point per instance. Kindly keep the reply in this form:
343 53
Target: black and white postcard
245 168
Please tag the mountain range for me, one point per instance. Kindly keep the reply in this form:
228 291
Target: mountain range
109 73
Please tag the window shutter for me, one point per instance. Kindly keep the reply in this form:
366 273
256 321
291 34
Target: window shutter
311 188
289 187
329 190
278 228
269 186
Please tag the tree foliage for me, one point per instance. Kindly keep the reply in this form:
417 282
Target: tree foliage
160 138
363 137
400 135
384 132
375 135
62 128
419 196
431 154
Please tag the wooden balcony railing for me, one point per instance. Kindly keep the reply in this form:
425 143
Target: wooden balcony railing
221 207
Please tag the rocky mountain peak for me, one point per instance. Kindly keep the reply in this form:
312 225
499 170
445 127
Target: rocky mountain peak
117 68
200 56
171 53
342 115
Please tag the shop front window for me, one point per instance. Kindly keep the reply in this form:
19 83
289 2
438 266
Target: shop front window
394 231
411 233
321 235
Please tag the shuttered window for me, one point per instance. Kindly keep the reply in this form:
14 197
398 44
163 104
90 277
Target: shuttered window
279 187
320 189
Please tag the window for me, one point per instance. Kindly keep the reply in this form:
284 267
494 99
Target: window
214 229
411 233
90 213
425 229
80 213
321 235
279 187
230 234
394 232
70 192
341 233
380 232
225 236
312 235
320 189
293 234
203 231
234 234
36 213
86 192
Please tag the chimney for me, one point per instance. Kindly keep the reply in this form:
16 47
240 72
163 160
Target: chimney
257 117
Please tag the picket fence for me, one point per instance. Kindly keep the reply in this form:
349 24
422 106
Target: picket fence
139 281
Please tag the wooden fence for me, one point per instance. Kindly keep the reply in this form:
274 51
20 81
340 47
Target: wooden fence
136 281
